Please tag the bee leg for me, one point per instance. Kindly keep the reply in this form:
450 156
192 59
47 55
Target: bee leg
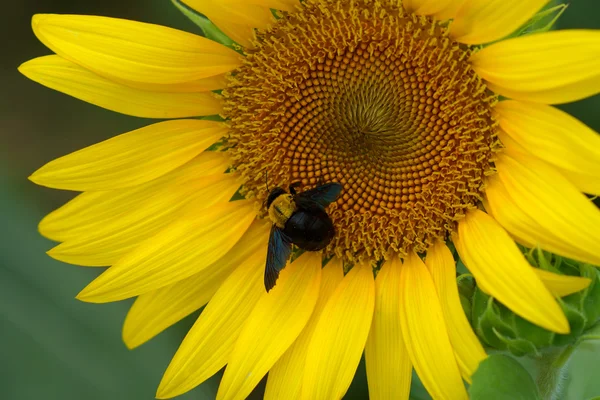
293 187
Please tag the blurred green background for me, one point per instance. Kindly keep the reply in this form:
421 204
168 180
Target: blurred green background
54 347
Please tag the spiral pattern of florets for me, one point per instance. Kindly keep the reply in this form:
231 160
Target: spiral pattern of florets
377 99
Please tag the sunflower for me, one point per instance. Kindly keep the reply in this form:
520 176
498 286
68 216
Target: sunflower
438 127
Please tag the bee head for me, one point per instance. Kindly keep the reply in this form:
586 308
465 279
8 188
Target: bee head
275 193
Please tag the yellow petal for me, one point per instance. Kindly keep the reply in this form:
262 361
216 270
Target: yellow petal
496 262
425 7
200 85
483 21
562 285
132 158
467 348
561 214
551 67
179 251
340 336
131 51
91 210
425 332
555 137
155 311
272 327
65 76
524 228
389 370
208 345
285 378
111 240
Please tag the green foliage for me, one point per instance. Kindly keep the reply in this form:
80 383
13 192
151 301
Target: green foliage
56 347
500 377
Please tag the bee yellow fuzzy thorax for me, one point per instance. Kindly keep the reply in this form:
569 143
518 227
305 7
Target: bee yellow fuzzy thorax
282 209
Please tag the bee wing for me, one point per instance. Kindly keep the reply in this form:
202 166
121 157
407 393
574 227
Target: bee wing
322 195
278 252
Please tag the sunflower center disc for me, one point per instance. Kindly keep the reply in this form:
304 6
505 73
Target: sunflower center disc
381 101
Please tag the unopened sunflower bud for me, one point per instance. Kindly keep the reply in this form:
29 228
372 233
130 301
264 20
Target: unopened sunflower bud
499 328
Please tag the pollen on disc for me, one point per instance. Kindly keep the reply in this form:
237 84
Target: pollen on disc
378 100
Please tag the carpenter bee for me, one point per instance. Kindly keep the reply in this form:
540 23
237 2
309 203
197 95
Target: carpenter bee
300 219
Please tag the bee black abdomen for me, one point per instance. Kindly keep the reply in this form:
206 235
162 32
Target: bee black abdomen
310 230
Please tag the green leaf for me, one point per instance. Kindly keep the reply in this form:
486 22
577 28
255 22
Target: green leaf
210 30
501 377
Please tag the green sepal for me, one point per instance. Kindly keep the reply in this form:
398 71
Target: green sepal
517 346
577 322
543 21
466 288
591 295
215 117
500 377
487 321
208 28
526 330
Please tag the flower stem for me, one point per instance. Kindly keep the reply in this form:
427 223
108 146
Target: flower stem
552 372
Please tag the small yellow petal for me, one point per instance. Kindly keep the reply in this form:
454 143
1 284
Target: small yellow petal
241 34
552 67
181 250
285 378
389 369
562 212
425 332
555 137
90 210
467 348
285 5
562 285
132 158
340 336
451 11
272 327
155 311
65 76
113 239
235 18
426 7
131 51
236 11
495 261
484 21
208 345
